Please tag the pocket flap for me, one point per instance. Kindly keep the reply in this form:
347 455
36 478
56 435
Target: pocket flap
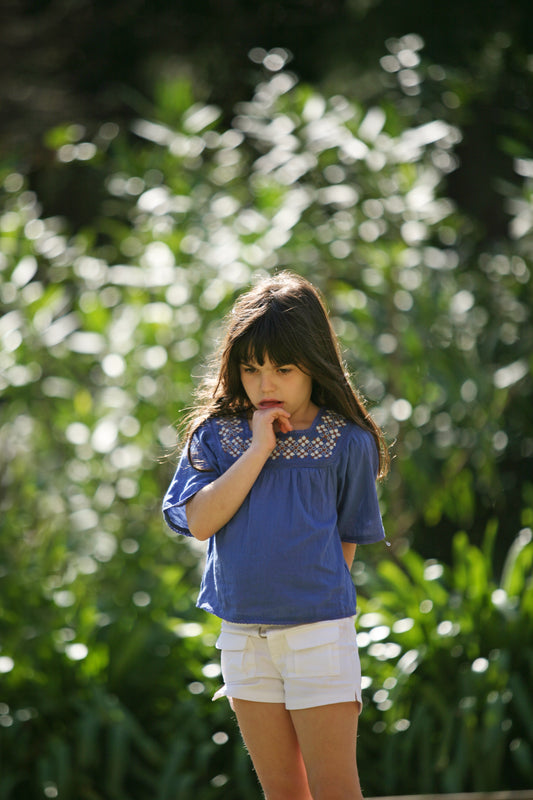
231 641
311 637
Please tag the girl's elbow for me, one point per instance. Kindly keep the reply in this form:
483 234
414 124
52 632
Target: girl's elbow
199 521
199 531
201 534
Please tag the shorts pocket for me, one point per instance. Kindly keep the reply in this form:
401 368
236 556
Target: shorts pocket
237 657
313 652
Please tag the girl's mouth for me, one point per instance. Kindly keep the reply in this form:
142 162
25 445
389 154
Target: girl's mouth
270 403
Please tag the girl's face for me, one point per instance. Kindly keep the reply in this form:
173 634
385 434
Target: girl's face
268 385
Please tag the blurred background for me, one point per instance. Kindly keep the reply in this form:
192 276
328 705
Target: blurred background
155 158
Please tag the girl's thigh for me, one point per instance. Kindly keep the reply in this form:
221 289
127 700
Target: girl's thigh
270 737
327 737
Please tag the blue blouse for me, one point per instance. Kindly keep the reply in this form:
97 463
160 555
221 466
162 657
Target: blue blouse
279 560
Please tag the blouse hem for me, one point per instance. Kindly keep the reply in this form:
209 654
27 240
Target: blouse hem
239 620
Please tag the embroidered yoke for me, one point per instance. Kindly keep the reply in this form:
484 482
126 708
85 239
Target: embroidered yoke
279 560
319 445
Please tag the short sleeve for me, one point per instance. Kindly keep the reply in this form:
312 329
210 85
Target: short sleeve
188 480
358 514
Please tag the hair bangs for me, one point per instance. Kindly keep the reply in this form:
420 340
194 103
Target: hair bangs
270 335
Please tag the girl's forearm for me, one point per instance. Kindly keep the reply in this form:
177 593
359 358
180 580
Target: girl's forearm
214 505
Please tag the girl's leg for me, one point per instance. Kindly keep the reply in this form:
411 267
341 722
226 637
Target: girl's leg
327 737
269 735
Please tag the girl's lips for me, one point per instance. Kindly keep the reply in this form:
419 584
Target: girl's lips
270 403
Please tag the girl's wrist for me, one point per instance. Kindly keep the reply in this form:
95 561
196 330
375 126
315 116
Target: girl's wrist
260 449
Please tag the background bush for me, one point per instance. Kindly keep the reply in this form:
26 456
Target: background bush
108 668
449 701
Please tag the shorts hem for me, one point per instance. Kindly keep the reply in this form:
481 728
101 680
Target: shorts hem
295 705
238 694
315 702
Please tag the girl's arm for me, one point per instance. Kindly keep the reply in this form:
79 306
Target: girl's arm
215 504
348 551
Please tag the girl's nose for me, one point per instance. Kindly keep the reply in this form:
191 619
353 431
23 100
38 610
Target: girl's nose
266 381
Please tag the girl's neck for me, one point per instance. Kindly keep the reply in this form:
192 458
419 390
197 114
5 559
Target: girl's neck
307 418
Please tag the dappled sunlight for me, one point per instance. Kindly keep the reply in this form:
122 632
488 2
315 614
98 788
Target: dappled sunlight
104 333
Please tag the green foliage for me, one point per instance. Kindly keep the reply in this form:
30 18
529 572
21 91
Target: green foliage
107 666
448 706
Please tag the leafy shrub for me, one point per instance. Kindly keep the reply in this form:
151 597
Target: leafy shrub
447 651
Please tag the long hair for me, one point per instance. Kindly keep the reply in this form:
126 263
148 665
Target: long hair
284 318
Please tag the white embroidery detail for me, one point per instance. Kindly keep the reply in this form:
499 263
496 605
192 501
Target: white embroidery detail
231 438
320 444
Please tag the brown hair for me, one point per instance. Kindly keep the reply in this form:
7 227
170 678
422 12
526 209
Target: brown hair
284 318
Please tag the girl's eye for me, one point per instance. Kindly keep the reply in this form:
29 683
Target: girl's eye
284 370
248 370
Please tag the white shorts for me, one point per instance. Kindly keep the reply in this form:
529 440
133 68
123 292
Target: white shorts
301 666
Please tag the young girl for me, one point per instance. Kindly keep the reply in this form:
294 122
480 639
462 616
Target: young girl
279 476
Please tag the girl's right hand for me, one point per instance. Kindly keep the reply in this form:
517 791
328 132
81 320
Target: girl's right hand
265 423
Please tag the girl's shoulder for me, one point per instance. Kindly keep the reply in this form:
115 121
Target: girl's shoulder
205 433
215 438
230 434
214 423
332 423
330 428
233 434
351 438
